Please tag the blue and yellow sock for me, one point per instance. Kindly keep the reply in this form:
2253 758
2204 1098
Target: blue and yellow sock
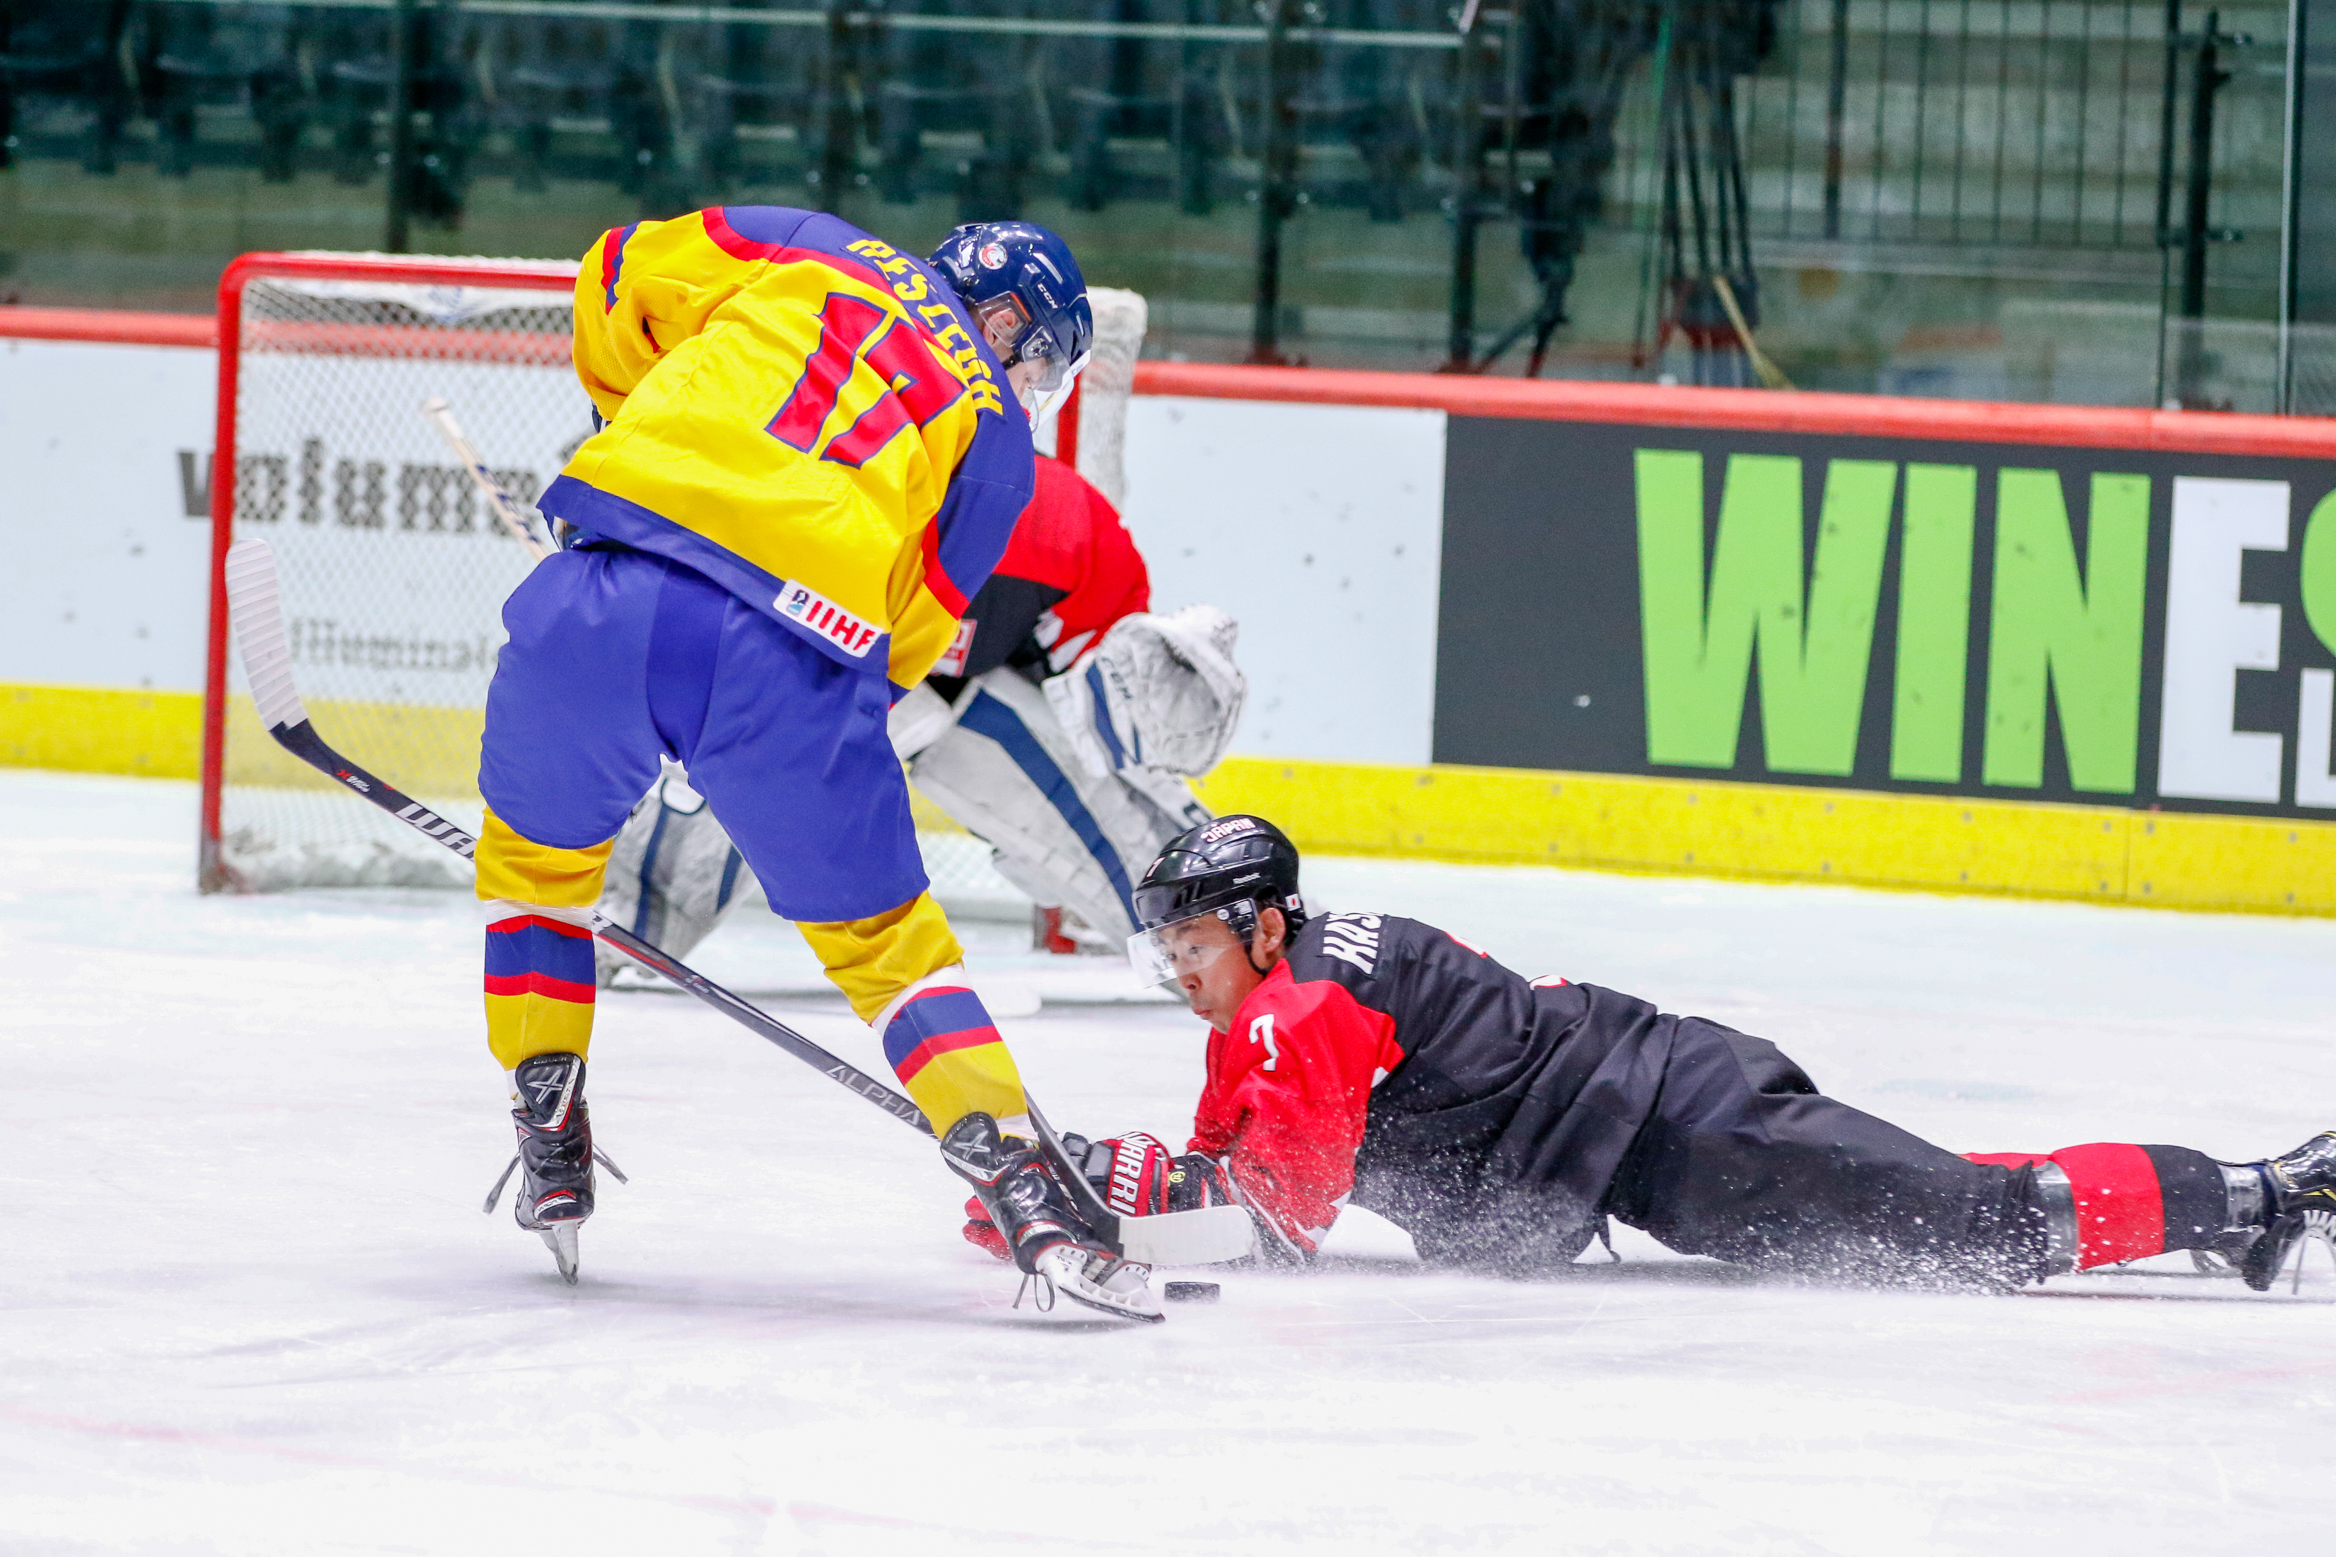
903 973
943 1046
540 984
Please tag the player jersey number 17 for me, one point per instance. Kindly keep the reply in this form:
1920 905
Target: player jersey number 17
852 329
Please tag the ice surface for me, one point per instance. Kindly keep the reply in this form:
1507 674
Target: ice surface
248 1303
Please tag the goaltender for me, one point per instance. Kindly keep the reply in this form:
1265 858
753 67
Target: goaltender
1378 1060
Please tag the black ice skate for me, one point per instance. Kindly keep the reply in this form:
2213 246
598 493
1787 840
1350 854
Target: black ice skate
2300 1202
1050 1243
556 1154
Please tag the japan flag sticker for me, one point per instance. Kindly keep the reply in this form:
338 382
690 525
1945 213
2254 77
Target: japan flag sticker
802 603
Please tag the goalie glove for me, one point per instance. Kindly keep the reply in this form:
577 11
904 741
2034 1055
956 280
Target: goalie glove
1158 691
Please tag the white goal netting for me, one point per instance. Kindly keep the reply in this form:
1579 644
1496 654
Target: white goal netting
394 572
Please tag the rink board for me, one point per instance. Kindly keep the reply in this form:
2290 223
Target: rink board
2054 651
1449 617
1773 832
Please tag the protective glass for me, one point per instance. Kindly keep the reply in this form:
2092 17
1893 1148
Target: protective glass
1167 953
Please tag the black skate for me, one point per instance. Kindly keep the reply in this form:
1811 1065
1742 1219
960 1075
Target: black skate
555 1152
2300 1190
1052 1246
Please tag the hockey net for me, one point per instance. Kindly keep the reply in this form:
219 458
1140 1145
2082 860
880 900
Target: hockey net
393 570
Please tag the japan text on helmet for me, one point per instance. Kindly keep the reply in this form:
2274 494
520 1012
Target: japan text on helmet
1228 868
1027 297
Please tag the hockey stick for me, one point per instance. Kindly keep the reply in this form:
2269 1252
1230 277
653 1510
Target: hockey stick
501 503
513 519
1207 1236
267 659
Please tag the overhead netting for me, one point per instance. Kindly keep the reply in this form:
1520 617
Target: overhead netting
393 571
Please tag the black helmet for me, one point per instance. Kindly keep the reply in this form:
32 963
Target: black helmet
1231 867
1234 859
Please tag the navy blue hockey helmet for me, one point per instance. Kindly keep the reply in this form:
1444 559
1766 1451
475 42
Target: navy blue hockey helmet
1228 868
1025 292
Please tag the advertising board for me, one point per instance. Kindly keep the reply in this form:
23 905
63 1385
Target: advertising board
2137 627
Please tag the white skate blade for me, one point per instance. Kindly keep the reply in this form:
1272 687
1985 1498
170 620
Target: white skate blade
1126 1295
560 1238
1208 1236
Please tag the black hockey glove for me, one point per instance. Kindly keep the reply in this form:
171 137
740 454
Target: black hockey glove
1131 1172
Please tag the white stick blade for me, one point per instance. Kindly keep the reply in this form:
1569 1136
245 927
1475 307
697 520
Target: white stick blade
1208 1236
257 611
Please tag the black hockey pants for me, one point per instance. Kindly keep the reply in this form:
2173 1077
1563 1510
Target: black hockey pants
1743 1159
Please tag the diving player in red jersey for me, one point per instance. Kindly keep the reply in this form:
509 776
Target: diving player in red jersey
1381 1061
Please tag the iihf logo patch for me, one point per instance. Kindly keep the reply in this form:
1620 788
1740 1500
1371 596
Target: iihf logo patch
993 256
824 617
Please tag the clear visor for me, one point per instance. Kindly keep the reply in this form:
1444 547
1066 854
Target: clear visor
1046 397
1018 341
1169 952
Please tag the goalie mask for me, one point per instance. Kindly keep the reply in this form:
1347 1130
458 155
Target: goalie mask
1226 869
1027 297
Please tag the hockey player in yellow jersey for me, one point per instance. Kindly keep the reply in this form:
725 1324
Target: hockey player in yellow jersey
811 451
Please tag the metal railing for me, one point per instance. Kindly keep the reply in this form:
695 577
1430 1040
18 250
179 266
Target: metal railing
1322 151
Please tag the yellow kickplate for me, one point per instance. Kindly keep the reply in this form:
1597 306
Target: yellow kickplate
1782 833
419 748
1491 816
102 730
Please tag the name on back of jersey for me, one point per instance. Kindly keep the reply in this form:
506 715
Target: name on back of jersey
939 320
1353 939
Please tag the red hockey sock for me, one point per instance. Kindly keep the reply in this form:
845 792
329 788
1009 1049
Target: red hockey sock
2133 1201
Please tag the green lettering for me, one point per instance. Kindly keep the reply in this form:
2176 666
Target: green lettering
2083 636
1814 645
2318 570
1934 623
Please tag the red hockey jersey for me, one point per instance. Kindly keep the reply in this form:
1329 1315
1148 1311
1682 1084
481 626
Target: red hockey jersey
1069 572
1387 1060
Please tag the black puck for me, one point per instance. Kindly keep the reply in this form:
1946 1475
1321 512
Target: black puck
1191 1291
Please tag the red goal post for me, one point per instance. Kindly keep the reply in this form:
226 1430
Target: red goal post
393 572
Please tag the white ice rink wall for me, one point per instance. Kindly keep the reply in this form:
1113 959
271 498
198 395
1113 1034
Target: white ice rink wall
104 460
1452 603
1328 559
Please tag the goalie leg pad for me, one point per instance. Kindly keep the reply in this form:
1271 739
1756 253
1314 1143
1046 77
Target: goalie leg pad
675 875
1006 773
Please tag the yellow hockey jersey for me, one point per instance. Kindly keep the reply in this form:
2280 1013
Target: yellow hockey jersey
803 414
